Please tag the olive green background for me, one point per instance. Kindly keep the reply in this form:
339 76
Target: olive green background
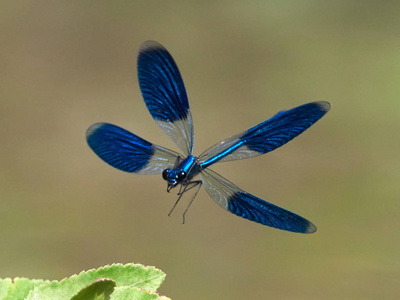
65 65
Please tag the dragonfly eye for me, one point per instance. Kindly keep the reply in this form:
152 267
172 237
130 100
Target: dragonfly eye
181 175
165 174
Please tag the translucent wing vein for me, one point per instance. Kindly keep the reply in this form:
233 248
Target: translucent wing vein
128 152
233 199
266 136
164 93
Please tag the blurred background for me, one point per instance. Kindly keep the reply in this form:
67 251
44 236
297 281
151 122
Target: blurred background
68 64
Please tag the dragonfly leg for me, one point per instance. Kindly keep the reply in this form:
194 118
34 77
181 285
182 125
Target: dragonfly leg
173 207
183 189
195 183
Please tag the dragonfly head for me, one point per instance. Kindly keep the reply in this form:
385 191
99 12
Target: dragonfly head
173 177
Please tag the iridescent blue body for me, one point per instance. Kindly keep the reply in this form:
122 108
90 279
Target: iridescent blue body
165 96
183 172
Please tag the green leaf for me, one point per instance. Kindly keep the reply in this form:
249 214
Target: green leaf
135 275
18 288
126 292
5 285
100 289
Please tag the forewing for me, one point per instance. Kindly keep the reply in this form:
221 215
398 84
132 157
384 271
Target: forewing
128 152
266 136
233 199
165 95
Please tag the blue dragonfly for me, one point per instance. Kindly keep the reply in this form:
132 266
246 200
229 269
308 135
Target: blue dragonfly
165 96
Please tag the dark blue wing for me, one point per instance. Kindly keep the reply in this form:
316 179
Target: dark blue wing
128 152
165 95
267 135
233 199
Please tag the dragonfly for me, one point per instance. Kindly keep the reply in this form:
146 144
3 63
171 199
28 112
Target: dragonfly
166 99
